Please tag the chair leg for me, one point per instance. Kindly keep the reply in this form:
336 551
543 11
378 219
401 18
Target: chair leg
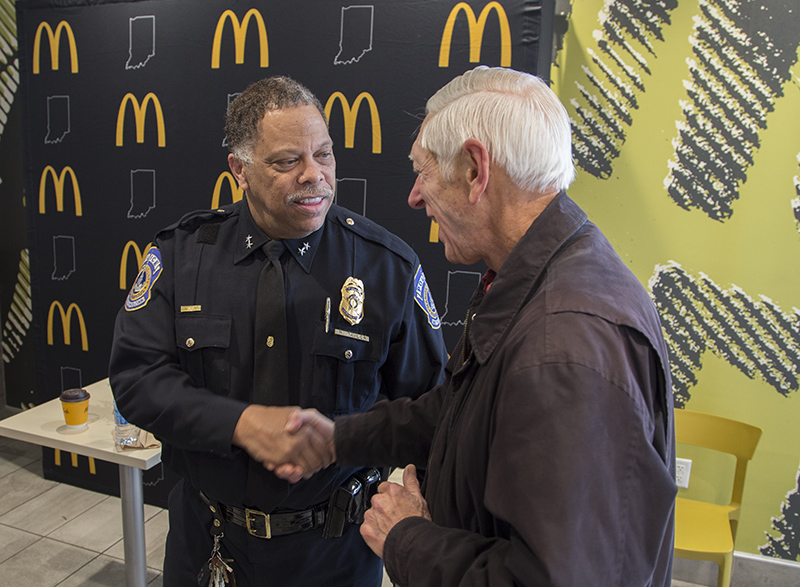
724 575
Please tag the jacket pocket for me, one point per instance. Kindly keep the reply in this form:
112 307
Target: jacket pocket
346 370
203 342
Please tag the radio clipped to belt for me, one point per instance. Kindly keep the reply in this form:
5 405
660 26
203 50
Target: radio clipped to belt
349 502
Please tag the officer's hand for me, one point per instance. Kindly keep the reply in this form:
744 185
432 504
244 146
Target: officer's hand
324 426
262 432
391 504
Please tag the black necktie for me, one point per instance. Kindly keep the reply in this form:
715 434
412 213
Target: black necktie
271 356
270 369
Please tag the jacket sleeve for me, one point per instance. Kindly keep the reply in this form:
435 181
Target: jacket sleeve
573 481
391 433
151 389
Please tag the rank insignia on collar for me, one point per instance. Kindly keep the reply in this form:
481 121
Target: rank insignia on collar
352 305
249 241
304 249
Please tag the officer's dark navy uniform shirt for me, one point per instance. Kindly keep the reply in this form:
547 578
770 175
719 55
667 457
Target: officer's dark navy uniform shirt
182 359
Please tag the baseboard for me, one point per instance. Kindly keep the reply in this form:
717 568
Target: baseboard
748 570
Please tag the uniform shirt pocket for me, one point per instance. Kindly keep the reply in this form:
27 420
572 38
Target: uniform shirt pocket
203 342
348 365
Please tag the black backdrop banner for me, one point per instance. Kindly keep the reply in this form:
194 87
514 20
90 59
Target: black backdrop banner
123 110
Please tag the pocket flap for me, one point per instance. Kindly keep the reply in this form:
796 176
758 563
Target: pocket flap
199 331
348 346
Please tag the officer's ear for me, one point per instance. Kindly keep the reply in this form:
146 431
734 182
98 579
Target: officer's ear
238 170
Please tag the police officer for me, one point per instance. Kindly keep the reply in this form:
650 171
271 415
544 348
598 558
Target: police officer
359 324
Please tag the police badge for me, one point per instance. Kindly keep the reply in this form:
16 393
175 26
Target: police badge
352 305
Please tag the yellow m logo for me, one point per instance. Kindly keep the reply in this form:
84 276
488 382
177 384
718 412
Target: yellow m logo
476 33
123 263
66 322
239 35
139 113
58 181
350 115
236 191
55 39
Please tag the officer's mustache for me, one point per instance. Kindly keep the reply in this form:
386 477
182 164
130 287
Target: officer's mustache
313 192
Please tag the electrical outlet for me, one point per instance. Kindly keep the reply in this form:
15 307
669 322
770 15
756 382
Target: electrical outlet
683 468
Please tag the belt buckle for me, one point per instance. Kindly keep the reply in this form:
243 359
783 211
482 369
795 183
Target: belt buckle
249 515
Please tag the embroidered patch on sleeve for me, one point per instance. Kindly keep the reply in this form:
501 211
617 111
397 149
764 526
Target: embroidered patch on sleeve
143 286
423 297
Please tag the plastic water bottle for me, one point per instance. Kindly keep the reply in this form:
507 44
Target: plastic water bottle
125 433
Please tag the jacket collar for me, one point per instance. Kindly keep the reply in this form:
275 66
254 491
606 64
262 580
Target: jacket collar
521 272
251 238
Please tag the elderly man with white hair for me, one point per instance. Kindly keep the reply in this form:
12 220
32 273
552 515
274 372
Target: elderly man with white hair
549 449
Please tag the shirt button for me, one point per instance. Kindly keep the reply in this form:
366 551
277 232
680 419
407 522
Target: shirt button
270 341
348 354
189 342
350 221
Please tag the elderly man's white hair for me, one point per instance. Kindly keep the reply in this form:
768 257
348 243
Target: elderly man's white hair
516 115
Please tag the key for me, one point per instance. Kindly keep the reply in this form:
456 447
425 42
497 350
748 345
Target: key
216 572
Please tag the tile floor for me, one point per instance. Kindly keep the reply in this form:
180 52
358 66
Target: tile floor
56 535
53 534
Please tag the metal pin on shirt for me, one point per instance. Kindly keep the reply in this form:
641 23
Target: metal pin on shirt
327 314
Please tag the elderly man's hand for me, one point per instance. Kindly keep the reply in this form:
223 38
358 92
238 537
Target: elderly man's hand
267 436
391 504
299 421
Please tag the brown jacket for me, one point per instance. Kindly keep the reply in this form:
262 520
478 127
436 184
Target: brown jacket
550 450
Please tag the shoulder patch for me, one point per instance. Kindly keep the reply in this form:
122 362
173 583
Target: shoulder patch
143 285
423 297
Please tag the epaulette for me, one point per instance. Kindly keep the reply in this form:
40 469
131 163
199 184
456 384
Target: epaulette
198 220
369 230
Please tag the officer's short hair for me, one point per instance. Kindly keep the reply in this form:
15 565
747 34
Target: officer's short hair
245 113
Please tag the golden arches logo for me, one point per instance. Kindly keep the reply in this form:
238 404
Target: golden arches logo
236 192
476 28
433 235
350 115
123 263
55 40
66 322
58 181
139 113
239 36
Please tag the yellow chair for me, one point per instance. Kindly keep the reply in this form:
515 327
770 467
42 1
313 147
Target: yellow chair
706 531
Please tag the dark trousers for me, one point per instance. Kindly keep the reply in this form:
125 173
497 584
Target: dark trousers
304 559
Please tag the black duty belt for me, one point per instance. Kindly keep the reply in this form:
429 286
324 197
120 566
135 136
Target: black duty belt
277 523
347 504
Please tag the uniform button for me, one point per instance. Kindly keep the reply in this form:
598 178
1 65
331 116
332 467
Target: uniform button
348 354
270 341
190 342
350 221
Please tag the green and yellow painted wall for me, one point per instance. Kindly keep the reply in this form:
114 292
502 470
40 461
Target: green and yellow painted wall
686 118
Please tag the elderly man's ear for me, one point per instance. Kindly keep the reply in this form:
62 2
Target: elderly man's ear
478 162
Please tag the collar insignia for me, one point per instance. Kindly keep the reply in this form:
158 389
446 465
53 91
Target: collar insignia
249 241
304 249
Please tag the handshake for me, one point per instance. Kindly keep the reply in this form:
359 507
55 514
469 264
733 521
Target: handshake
291 442
295 443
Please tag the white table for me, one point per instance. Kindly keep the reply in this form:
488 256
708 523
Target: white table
44 425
